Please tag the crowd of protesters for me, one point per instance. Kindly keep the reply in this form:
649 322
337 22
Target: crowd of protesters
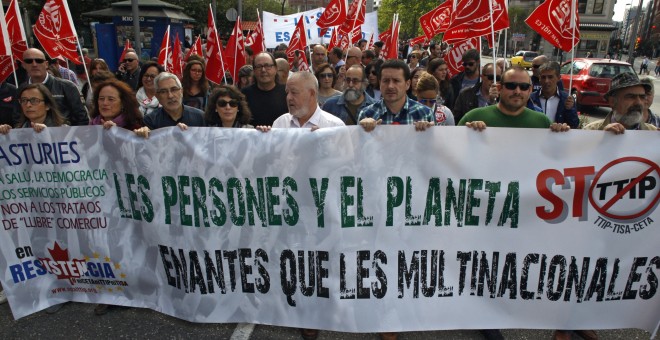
351 87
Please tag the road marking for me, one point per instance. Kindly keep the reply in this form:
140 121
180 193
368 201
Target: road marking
242 331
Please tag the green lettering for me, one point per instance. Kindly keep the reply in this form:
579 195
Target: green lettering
184 182
273 200
451 201
394 197
493 188
147 207
255 201
169 196
235 199
347 221
319 199
219 216
433 202
199 201
511 203
292 214
473 202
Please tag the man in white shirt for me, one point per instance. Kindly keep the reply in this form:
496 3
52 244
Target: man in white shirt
304 111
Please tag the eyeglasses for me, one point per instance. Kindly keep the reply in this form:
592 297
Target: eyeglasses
491 77
172 90
264 66
223 103
512 86
149 76
32 101
34 60
353 80
536 66
326 75
470 64
427 101
129 60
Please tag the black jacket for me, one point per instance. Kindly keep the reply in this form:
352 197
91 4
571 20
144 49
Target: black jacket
69 101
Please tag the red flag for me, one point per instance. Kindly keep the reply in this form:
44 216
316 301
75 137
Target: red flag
333 15
297 43
553 21
165 54
385 38
454 58
6 65
215 69
344 42
472 19
55 32
127 45
370 44
235 51
355 16
175 56
256 39
421 40
437 20
16 30
393 49
334 40
196 48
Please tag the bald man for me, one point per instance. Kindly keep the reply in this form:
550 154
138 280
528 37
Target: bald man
129 70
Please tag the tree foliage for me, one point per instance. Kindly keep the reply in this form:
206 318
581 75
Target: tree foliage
409 13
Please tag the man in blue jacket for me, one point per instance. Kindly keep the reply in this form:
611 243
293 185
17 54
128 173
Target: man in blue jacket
555 103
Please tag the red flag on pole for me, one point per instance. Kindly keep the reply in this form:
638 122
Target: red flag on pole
421 40
370 44
196 48
553 21
334 40
385 38
127 45
175 56
164 56
16 30
393 49
235 51
55 32
297 43
215 69
437 20
256 39
333 15
472 19
355 16
6 62
454 58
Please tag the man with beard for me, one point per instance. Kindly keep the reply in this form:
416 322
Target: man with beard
511 110
558 105
627 96
470 75
354 99
353 57
266 98
482 94
172 112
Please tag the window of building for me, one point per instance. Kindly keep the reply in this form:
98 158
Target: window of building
582 6
598 6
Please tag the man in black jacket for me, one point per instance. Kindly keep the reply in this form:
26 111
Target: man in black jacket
470 75
66 94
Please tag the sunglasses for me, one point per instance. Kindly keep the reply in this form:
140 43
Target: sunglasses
35 60
470 64
427 101
512 86
326 75
491 77
128 60
223 103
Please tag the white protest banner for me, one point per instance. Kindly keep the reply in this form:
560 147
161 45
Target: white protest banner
338 229
278 28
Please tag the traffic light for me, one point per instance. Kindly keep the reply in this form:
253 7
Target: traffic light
637 42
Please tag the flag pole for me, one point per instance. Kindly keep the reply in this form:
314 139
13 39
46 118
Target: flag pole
492 34
167 45
573 23
237 28
263 40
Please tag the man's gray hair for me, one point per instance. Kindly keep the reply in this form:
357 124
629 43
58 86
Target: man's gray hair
164 76
550 66
308 78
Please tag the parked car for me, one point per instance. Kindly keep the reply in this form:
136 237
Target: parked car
523 59
592 78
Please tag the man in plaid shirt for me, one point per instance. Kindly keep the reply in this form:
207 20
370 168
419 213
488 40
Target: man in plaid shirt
395 107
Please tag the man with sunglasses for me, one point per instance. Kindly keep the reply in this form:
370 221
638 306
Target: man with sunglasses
129 70
353 57
470 75
511 110
536 75
558 105
355 98
627 97
65 93
482 94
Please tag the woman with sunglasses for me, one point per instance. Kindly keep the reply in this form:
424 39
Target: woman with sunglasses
327 78
428 90
228 108
146 94
195 85
38 109
373 88
415 57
